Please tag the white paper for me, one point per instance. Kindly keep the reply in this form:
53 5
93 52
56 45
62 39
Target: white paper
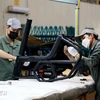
72 51
26 63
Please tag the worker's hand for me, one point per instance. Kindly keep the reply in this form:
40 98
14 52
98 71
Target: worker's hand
13 58
67 53
77 56
66 50
26 63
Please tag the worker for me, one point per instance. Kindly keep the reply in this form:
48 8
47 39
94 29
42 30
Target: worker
9 48
89 39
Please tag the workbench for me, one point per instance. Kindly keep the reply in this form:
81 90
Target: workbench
31 89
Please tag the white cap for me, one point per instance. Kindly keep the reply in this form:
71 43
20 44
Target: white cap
85 31
14 23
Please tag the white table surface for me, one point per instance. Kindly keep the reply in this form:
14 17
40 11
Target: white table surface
31 89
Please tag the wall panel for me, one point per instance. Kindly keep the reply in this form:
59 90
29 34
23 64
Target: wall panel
47 13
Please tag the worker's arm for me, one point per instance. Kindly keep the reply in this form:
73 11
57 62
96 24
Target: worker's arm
5 55
94 59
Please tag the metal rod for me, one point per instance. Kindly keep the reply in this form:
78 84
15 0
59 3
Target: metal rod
77 18
25 37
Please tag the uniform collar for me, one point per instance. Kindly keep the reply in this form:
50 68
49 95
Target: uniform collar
94 45
7 42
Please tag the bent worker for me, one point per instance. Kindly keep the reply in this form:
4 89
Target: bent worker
89 39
